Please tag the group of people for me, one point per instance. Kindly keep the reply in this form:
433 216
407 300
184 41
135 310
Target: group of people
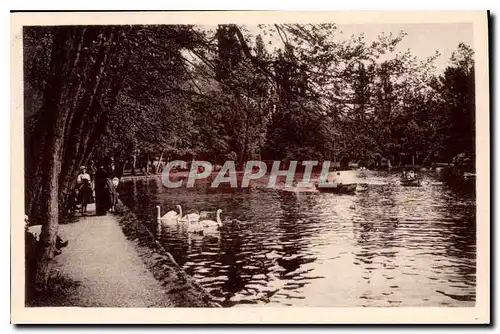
335 179
409 174
92 185
98 186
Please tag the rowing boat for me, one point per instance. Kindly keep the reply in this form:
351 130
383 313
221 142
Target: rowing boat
339 189
410 182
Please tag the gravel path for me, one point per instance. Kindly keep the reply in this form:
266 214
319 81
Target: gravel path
109 270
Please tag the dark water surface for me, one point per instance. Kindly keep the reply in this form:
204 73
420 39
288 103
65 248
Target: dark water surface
387 245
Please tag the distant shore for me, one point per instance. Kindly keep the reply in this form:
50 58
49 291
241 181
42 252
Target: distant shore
139 177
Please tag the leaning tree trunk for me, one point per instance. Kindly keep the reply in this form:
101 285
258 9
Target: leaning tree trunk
53 117
79 93
80 122
97 96
50 204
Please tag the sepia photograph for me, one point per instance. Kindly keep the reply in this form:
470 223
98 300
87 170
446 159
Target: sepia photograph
263 167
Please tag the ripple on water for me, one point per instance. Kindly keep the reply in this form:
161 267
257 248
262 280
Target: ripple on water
385 246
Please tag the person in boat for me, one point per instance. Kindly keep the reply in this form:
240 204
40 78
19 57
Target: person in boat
337 180
411 174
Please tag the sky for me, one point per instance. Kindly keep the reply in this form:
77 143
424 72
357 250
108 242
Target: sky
423 40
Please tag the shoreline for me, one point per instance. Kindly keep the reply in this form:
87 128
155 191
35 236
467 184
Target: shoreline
139 177
186 292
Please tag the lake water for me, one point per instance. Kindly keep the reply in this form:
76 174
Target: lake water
386 245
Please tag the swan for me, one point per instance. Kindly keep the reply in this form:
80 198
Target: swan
193 228
169 216
192 217
210 225
195 216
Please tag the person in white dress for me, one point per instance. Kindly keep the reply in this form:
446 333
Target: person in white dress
83 181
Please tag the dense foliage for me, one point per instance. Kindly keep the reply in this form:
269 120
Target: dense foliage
200 94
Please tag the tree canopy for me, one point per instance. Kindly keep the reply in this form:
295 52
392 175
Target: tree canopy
213 94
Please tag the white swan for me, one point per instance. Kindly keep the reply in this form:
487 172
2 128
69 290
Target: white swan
193 228
192 216
195 216
169 216
210 225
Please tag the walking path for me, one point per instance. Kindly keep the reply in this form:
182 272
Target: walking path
106 265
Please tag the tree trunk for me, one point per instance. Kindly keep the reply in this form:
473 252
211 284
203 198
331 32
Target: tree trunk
50 200
244 156
81 122
132 172
121 170
79 92
159 163
54 114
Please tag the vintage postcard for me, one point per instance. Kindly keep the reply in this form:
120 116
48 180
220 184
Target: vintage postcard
250 167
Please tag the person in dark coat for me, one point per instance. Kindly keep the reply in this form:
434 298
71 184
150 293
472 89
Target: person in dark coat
102 190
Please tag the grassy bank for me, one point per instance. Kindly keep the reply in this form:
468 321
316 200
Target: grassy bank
183 290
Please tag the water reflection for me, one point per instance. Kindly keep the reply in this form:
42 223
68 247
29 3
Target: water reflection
385 246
